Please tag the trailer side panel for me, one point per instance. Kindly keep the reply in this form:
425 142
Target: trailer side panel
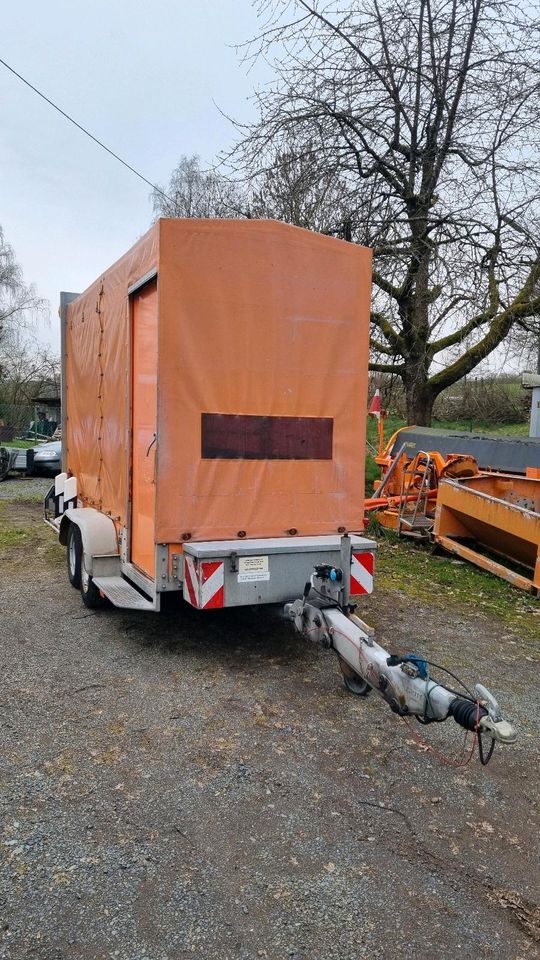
96 372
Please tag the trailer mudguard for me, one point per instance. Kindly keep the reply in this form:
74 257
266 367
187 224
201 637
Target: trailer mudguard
97 531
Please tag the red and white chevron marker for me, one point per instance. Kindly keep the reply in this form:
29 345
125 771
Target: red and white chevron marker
375 407
204 583
362 573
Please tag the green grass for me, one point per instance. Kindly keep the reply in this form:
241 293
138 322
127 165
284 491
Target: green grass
13 533
443 580
25 541
11 537
453 585
12 495
21 444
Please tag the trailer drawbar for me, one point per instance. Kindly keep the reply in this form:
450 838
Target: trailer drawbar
324 614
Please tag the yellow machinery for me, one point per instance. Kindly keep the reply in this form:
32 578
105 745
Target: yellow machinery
405 496
496 512
472 513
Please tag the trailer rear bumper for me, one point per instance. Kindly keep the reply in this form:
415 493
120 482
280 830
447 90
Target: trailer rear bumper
232 573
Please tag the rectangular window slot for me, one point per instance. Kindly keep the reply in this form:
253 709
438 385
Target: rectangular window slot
237 437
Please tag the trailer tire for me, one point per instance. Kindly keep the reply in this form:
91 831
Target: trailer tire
74 551
5 460
90 594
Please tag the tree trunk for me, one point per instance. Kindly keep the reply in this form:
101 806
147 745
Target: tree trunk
414 310
419 400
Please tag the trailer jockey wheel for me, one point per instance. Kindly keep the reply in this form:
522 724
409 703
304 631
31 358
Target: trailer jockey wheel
74 554
352 681
90 594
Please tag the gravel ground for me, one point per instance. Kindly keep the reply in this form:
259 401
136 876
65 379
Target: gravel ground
25 488
190 785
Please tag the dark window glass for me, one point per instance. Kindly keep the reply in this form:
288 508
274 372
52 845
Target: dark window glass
235 437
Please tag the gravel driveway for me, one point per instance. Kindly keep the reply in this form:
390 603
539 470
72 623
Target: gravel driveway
190 785
25 488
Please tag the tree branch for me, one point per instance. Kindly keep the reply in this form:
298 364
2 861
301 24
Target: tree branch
387 367
526 304
384 325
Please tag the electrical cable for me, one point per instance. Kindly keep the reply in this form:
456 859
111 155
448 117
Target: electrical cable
85 131
485 758
425 719
438 666
407 659
462 761
329 601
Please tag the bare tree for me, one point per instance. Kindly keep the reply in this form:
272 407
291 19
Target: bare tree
296 189
427 112
18 302
287 189
192 192
26 368
525 344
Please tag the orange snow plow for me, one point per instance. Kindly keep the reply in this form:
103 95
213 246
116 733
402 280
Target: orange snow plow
486 516
494 512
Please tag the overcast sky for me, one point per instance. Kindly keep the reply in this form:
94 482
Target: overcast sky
142 78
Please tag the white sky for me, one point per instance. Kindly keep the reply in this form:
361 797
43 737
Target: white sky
143 78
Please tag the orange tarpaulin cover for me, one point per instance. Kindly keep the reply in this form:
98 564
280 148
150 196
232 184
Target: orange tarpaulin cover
262 335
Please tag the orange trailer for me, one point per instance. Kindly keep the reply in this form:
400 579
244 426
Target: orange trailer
214 388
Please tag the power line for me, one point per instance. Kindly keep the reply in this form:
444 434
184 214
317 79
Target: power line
87 132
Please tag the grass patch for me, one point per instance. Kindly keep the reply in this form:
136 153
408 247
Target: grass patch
20 444
453 585
25 539
11 537
13 533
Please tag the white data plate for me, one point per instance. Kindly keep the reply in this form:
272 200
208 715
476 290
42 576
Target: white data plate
251 569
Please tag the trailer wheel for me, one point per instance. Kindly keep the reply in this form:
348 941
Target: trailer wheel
90 594
4 462
352 681
74 555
